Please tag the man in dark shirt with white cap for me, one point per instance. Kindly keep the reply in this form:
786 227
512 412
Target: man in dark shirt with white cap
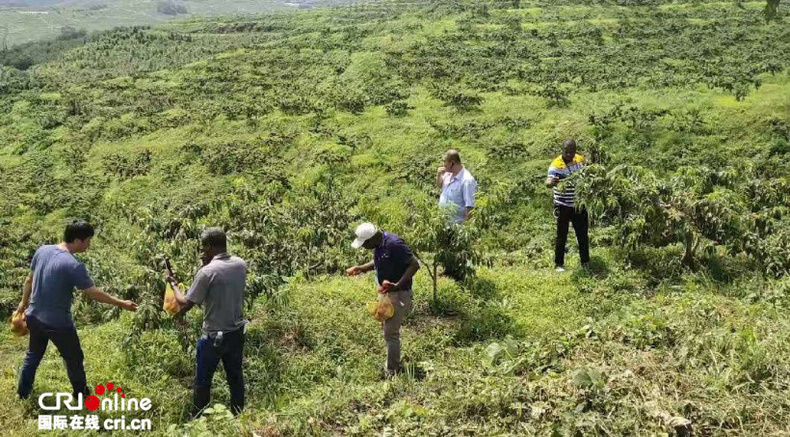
219 287
395 267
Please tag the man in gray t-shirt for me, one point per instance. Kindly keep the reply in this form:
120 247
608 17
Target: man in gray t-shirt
219 287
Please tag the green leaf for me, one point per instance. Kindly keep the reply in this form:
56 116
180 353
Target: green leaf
494 350
512 346
586 378
595 377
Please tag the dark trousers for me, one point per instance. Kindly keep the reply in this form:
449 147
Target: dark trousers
231 353
453 263
68 344
580 222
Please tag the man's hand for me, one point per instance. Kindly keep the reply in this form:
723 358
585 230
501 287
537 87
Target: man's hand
179 294
388 286
440 176
552 181
128 305
353 271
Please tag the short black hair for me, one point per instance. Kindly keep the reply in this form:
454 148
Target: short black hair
214 238
569 142
77 230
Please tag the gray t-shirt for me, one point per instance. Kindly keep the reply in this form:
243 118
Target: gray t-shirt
219 286
55 275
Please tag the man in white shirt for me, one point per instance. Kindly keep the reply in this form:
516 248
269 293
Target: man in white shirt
458 187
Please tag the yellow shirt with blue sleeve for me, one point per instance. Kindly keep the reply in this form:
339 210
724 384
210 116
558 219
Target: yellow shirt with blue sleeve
561 170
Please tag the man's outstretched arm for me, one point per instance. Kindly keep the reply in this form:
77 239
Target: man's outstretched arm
364 268
101 296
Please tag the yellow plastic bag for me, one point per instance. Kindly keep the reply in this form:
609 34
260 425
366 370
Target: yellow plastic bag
171 305
18 323
382 309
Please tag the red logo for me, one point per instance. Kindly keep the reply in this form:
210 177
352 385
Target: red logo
113 399
92 403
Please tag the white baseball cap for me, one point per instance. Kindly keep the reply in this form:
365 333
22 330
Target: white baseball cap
363 232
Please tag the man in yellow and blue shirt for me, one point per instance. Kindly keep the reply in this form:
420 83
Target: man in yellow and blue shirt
561 168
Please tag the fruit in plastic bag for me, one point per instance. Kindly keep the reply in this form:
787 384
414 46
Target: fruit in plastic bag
18 323
171 305
382 309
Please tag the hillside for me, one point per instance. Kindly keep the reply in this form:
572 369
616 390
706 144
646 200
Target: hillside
26 21
288 129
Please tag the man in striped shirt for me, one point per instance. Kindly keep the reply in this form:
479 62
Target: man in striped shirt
565 212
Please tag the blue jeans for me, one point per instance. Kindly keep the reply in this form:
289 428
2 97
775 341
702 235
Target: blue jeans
68 344
231 353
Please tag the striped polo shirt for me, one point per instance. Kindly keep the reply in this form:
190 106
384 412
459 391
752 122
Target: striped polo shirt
562 170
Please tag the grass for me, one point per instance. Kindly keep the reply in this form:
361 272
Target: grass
313 360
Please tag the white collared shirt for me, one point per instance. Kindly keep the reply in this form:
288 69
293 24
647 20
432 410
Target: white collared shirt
458 190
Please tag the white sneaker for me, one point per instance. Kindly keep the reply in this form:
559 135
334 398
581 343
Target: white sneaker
559 269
